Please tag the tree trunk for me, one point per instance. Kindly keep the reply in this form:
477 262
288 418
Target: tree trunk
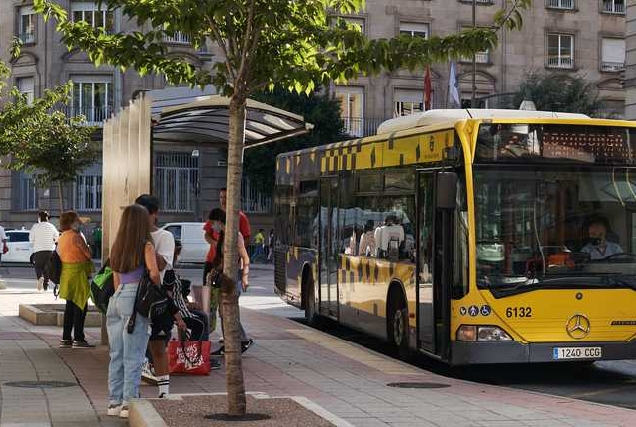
61 196
236 404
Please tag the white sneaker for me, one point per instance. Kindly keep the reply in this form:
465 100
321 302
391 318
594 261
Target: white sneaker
124 412
114 410
40 284
148 374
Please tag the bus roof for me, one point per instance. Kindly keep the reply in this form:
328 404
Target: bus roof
431 117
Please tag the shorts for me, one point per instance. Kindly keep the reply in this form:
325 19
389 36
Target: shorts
161 332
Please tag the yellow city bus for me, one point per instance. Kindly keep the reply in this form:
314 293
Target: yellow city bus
471 236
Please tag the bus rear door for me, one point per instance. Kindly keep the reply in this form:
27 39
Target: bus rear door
329 255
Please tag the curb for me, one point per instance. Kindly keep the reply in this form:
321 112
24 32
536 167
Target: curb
143 413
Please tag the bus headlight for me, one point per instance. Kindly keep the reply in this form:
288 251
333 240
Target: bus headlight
481 333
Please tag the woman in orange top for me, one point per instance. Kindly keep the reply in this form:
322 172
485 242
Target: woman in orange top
74 288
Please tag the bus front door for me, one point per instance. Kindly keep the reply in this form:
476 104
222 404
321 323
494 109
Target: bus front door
435 245
329 247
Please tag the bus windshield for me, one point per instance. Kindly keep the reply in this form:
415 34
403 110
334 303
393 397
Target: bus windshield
538 228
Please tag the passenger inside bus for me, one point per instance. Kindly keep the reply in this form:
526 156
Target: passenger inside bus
598 246
388 238
367 240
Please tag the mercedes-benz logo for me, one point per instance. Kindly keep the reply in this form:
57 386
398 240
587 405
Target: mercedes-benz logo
578 327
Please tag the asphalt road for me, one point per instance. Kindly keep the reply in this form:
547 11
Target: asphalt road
612 382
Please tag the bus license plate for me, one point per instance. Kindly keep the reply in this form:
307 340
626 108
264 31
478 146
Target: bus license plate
559 353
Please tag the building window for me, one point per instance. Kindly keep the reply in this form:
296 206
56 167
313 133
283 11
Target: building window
351 100
27 192
88 193
407 101
26 86
92 98
26 26
415 29
612 55
560 4
358 22
91 13
175 180
614 6
560 50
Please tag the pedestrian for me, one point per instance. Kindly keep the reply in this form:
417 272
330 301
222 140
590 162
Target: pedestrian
131 255
212 238
259 245
74 288
270 245
97 242
217 217
161 331
43 237
3 239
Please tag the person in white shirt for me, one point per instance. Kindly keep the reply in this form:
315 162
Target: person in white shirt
43 237
160 335
599 247
389 232
3 238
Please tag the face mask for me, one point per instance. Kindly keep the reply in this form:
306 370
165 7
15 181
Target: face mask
595 241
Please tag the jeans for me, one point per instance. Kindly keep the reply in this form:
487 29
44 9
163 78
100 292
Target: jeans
127 351
74 318
239 289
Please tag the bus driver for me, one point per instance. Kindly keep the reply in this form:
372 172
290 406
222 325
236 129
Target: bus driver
598 247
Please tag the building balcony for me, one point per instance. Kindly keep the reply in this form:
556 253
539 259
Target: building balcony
612 67
178 38
614 7
560 4
360 127
560 62
93 116
480 58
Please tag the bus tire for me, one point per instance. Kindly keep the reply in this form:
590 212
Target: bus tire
309 298
398 323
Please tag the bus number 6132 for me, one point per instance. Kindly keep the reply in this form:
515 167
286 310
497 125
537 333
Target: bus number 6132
519 312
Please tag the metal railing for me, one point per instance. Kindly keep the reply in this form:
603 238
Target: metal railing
94 116
178 38
482 2
253 200
614 7
561 4
612 66
480 58
359 126
560 62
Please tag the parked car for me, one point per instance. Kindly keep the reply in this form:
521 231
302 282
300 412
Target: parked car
20 248
194 247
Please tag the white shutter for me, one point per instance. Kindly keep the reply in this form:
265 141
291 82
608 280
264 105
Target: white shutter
408 95
613 50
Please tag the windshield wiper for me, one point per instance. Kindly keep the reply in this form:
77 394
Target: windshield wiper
567 282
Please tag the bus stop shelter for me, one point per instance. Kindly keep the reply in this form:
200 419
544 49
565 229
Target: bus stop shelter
129 137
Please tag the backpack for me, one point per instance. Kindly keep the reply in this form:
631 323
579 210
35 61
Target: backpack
102 288
53 268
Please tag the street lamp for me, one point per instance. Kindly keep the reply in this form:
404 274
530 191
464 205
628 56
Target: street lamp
474 81
197 186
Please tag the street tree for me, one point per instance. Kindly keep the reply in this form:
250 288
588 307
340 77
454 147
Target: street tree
37 139
294 45
559 92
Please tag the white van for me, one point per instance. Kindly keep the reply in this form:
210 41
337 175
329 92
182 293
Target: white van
195 248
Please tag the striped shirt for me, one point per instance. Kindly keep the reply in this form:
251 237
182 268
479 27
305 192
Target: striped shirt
43 236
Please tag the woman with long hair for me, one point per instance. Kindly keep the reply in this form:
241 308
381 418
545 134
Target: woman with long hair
74 288
131 255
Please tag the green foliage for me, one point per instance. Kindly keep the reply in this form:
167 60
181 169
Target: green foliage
35 138
266 43
559 92
319 109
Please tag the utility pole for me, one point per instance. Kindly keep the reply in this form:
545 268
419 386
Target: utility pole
474 81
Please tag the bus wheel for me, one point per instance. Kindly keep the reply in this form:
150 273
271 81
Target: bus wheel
310 302
398 325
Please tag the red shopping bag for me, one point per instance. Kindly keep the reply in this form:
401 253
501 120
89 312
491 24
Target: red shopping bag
189 357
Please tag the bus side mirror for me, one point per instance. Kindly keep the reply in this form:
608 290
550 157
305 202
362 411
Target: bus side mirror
446 190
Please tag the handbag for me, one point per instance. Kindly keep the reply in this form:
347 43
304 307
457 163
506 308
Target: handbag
153 301
102 288
189 357
5 248
53 268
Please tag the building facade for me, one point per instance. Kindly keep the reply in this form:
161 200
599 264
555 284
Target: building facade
186 178
572 37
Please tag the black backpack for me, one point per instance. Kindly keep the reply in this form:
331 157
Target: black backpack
53 268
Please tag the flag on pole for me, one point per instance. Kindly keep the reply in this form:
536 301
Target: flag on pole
427 89
453 86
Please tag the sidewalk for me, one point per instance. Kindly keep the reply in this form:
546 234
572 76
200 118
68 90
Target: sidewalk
287 359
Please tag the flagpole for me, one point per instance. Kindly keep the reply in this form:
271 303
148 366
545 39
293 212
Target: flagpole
474 82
